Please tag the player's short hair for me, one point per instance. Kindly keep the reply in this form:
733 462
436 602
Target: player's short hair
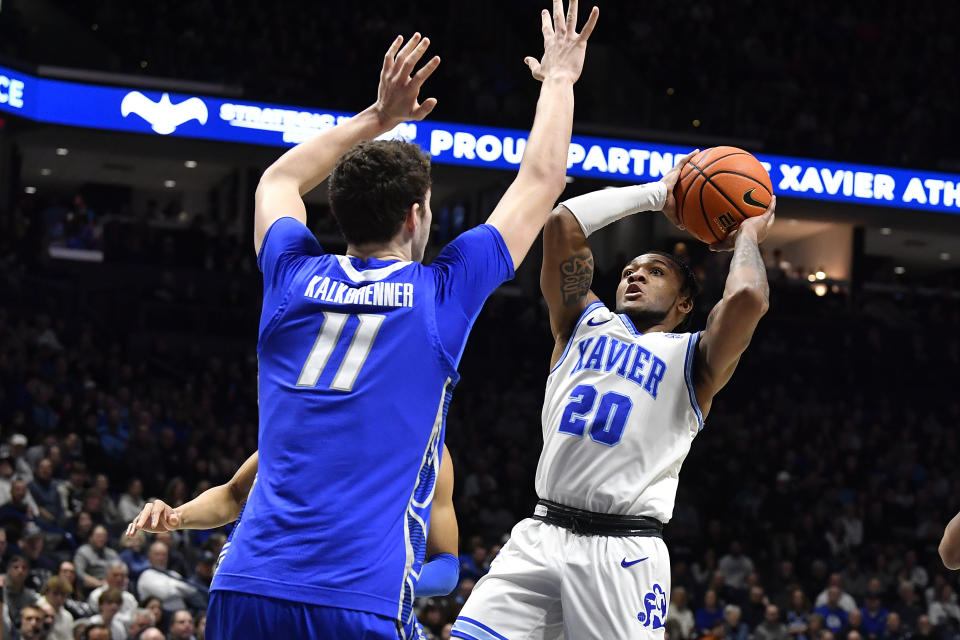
690 286
373 186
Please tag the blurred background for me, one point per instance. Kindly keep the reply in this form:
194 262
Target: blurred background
812 503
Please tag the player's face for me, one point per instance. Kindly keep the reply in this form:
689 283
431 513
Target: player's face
422 234
648 284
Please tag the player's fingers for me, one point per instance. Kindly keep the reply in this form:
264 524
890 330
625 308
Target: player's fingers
572 16
408 47
424 109
559 25
414 57
144 515
545 25
534 65
426 71
591 23
773 204
391 53
157 512
685 159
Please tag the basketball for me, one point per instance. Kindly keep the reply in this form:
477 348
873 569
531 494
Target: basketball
718 189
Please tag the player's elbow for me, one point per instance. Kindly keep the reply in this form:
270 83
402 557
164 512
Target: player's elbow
550 180
749 300
950 554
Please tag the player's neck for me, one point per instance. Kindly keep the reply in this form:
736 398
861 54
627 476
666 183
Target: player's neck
380 251
651 321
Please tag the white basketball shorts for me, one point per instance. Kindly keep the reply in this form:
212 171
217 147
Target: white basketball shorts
549 583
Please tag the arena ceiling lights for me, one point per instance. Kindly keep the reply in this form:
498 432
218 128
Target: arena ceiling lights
111 108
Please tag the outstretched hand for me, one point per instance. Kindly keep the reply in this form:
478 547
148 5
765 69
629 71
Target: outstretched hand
670 181
563 47
155 517
398 93
758 225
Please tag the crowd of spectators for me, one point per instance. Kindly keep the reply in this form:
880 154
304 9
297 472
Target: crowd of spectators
824 79
810 506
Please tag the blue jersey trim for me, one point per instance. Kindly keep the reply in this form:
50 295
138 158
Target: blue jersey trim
593 306
628 323
692 342
479 630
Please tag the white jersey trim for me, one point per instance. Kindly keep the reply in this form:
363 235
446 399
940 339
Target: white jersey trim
368 275
593 306
692 343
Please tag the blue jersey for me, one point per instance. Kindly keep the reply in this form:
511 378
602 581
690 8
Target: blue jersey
357 364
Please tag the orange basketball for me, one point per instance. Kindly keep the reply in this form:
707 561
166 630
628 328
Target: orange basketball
718 189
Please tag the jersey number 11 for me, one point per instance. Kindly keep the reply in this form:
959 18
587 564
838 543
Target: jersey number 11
326 343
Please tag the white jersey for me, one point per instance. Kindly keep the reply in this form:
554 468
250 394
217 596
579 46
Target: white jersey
619 415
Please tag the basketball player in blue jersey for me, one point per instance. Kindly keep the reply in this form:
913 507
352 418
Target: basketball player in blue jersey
223 504
625 397
358 356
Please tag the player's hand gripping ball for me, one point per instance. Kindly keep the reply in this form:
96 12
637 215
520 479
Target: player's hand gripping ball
718 189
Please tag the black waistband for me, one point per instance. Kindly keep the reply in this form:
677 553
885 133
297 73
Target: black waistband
589 523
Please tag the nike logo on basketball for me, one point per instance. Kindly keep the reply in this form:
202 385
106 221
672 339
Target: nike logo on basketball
625 564
749 199
597 324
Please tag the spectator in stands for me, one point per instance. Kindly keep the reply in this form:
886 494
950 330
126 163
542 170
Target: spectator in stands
846 601
854 580
80 526
736 566
117 578
771 628
55 594
96 631
152 634
874 615
174 592
925 630
108 507
93 559
131 502
679 611
837 538
709 614
71 491
16 595
141 620
203 573
894 630
834 616
855 622
109 604
44 492
154 605
14 514
133 555
944 611
736 629
182 626
755 608
74 603
797 614
915 572
907 607
18 447
93 505
815 628
31 623
31 545
5 552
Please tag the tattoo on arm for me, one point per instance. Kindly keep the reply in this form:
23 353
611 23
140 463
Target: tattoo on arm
747 264
577 273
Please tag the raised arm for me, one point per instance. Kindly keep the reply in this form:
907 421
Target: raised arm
542 176
950 544
282 186
746 297
213 508
567 269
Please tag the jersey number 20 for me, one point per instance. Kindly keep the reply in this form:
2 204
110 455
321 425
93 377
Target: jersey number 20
326 343
609 420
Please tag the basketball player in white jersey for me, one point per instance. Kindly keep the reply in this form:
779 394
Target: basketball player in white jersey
625 397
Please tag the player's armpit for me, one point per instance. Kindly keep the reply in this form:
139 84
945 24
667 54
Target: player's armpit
732 321
566 273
